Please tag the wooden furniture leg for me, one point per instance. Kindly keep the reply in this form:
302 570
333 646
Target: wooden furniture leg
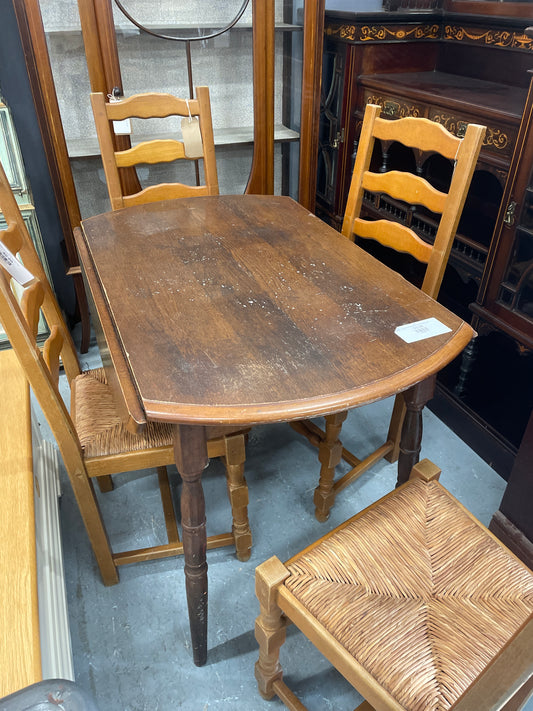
168 506
329 455
468 359
517 701
411 441
83 308
105 483
190 449
395 428
269 626
234 458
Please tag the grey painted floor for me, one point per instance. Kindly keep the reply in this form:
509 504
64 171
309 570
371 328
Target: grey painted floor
131 641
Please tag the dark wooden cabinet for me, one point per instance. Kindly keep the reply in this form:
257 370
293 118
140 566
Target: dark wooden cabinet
505 306
454 67
513 522
505 297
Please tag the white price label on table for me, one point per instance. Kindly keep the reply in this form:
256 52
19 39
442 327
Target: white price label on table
419 330
12 265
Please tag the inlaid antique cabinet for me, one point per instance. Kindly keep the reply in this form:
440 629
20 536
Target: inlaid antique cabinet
505 304
464 62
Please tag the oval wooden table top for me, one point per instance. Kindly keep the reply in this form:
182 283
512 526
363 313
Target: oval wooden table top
249 309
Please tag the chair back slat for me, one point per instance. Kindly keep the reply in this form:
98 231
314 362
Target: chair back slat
52 353
151 105
427 137
30 303
150 152
396 236
164 191
407 187
11 236
157 151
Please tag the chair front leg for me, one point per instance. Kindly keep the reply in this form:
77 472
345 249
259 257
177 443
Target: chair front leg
269 626
83 489
106 483
234 458
329 455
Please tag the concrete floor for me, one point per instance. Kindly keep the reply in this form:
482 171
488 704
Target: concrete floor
131 641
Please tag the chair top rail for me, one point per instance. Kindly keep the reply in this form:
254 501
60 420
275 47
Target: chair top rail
151 106
418 133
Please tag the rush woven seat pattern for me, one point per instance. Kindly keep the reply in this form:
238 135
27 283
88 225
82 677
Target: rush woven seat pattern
433 597
102 432
416 591
100 429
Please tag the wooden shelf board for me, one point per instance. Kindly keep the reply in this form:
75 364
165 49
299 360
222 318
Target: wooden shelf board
169 27
454 91
87 147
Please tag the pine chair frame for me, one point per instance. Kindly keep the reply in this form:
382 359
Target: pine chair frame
145 106
505 682
426 136
42 369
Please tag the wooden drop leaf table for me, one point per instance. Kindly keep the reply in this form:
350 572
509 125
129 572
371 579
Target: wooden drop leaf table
248 309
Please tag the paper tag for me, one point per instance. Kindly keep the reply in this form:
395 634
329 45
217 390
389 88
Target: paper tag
12 265
122 128
192 138
419 330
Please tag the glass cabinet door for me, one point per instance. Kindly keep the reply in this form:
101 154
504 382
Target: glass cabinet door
506 293
223 62
516 290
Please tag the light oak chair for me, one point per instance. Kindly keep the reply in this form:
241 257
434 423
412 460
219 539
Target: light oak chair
200 144
412 600
427 137
92 439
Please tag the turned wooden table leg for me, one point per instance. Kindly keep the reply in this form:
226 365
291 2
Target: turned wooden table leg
411 440
190 451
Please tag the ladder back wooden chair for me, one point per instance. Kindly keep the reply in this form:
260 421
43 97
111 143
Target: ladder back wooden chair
412 600
427 137
91 437
197 143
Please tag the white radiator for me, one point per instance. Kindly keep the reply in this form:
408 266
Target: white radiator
56 650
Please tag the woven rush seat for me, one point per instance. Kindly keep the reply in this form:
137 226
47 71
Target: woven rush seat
414 590
100 428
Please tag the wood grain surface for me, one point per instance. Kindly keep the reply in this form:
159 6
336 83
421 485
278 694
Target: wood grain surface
246 309
20 653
